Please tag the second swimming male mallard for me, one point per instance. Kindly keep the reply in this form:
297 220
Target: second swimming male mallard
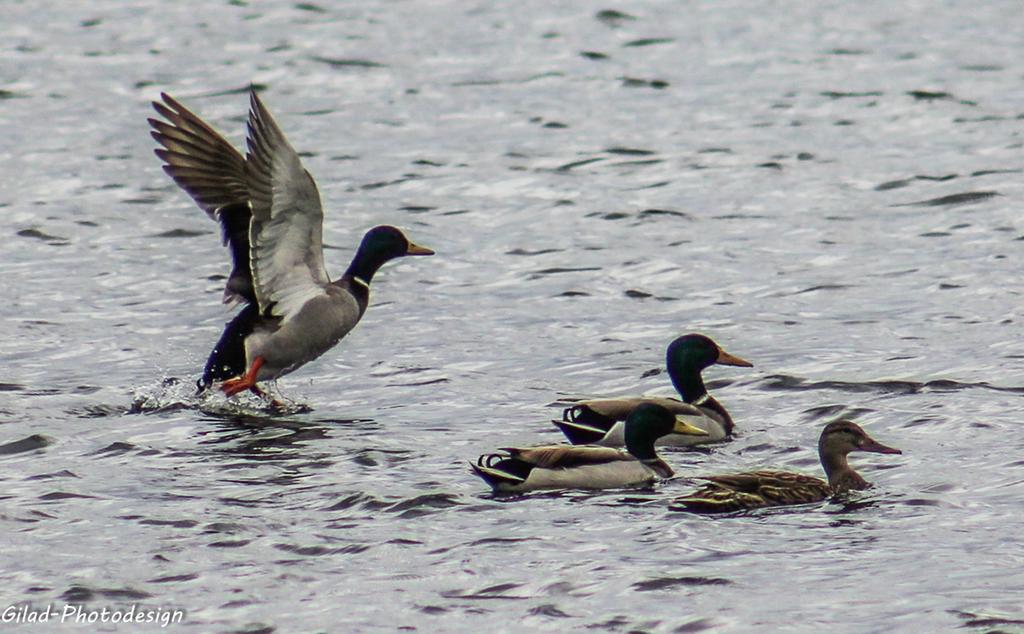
270 214
600 422
585 467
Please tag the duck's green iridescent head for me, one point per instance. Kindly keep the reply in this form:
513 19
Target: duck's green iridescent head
379 245
688 356
649 422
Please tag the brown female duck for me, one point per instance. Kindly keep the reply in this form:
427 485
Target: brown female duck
757 489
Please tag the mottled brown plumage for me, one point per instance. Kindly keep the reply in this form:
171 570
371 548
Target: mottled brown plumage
757 489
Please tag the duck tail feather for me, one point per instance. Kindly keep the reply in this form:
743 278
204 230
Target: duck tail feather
498 468
495 476
580 433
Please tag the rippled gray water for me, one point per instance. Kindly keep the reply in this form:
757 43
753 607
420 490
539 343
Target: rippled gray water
832 191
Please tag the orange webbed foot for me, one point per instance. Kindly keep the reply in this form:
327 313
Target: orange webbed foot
234 386
245 382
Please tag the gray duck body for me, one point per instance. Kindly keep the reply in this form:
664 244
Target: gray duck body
269 209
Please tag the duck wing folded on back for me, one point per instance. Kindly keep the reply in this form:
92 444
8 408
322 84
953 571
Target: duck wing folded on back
566 456
755 481
754 489
609 410
601 421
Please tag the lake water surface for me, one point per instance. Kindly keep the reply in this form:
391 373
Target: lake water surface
831 190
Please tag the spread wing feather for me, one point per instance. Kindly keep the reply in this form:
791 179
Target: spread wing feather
286 232
199 159
212 172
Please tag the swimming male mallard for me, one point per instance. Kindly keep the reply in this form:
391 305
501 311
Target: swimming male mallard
756 489
586 467
599 422
269 210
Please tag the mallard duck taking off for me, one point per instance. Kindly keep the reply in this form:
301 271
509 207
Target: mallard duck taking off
269 210
599 422
582 467
756 489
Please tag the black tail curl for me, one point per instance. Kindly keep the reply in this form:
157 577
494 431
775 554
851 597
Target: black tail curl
587 415
499 467
491 460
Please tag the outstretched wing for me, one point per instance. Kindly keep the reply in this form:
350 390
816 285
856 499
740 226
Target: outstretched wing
286 232
199 159
212 172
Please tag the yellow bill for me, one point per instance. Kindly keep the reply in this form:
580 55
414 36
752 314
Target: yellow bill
415 249
683 427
